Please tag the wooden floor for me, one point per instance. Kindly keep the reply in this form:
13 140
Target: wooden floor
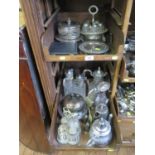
123 151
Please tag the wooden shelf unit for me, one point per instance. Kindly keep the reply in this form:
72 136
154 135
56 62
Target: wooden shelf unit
40 20
126 125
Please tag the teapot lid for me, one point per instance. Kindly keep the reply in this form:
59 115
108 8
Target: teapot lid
101 127
103 86
98 73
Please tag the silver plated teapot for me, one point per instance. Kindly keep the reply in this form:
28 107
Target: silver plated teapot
100 133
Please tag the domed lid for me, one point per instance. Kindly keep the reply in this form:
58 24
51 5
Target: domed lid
68 23
101 127
103 86
74 102
101 108
98 73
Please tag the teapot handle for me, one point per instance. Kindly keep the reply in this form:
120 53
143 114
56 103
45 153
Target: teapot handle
87 70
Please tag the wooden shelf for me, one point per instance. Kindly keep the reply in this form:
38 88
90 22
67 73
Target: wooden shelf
124 77
116 46
82 57
126 126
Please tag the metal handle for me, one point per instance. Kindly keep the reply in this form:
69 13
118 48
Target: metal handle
93 10
87 70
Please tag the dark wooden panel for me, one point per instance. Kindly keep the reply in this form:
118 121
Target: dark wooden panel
32 107
35 30
32 131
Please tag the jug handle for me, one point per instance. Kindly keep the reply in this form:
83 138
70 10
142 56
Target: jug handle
87 70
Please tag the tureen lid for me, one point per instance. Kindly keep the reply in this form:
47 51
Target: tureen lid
101 127
74 102
103 86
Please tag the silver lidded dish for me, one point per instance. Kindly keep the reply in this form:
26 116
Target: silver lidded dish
68 31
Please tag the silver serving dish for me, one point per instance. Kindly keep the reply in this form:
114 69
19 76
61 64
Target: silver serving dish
68 31
93 47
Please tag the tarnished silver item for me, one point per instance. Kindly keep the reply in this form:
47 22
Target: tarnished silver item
126 100
100 133
130 45
68 31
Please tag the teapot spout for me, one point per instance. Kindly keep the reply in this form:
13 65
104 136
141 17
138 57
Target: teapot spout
90 143
110 118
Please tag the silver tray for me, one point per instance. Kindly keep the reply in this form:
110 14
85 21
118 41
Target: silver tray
93 47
